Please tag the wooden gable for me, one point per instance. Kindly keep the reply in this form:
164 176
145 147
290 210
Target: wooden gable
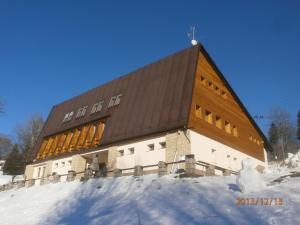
217 113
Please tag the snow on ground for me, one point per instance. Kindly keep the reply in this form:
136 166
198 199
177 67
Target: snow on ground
4 179
150 200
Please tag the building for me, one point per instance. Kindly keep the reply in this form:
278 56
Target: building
180 105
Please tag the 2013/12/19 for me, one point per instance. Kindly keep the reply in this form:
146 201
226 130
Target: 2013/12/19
259 201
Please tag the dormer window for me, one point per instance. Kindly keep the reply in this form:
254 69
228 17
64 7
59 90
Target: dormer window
81 112
115 100
97 107
68 117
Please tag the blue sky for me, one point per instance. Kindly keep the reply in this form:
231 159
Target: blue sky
53 50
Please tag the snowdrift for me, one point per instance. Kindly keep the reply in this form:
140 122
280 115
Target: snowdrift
149 200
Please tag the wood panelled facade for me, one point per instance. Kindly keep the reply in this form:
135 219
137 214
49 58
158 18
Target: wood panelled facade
216 114
85 137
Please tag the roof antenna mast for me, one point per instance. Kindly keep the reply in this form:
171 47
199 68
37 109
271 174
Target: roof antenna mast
191 35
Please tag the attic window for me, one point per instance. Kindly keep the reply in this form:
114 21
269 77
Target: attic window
209 84
208 117
202 79
224 94
115 100
198 111
217 89
151 147
218 122
227 127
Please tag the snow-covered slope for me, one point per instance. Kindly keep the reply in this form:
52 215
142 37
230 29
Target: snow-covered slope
150 200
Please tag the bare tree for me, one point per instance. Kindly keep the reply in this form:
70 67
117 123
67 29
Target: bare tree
27 135
286 132
6 145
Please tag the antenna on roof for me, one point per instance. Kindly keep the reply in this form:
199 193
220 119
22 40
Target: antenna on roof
191 35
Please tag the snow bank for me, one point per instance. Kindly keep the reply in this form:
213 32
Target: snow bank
4 179
148 200
293 160
248 179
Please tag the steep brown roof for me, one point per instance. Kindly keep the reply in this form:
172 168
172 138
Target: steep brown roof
155 98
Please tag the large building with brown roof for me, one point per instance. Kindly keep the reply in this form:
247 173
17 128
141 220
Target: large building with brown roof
180 105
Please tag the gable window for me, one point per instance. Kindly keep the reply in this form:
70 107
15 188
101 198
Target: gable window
208 116
209 84
227 127
151 147
131 151
234 131
202 79
198 111
115 100
218 122
224 94
217 89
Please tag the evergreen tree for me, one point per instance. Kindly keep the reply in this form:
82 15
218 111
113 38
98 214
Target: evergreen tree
14 164
298 125
273 134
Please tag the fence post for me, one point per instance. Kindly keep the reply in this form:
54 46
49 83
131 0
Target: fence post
190 166
162 168
210 170
71 175
138 171
117 172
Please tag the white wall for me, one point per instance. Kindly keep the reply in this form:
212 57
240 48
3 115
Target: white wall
36 174
142 155
216 153
62 166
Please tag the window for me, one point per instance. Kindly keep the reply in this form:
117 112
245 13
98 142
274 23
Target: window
44 170
131 151
68 117
208 117
39 172
224 94
198 111
81 112
250 138
217 89
162 144
209 83
63 164
56 165
69 162
121 152
202 79
97 107
227 127
234 131
218 122
115 100
151 147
